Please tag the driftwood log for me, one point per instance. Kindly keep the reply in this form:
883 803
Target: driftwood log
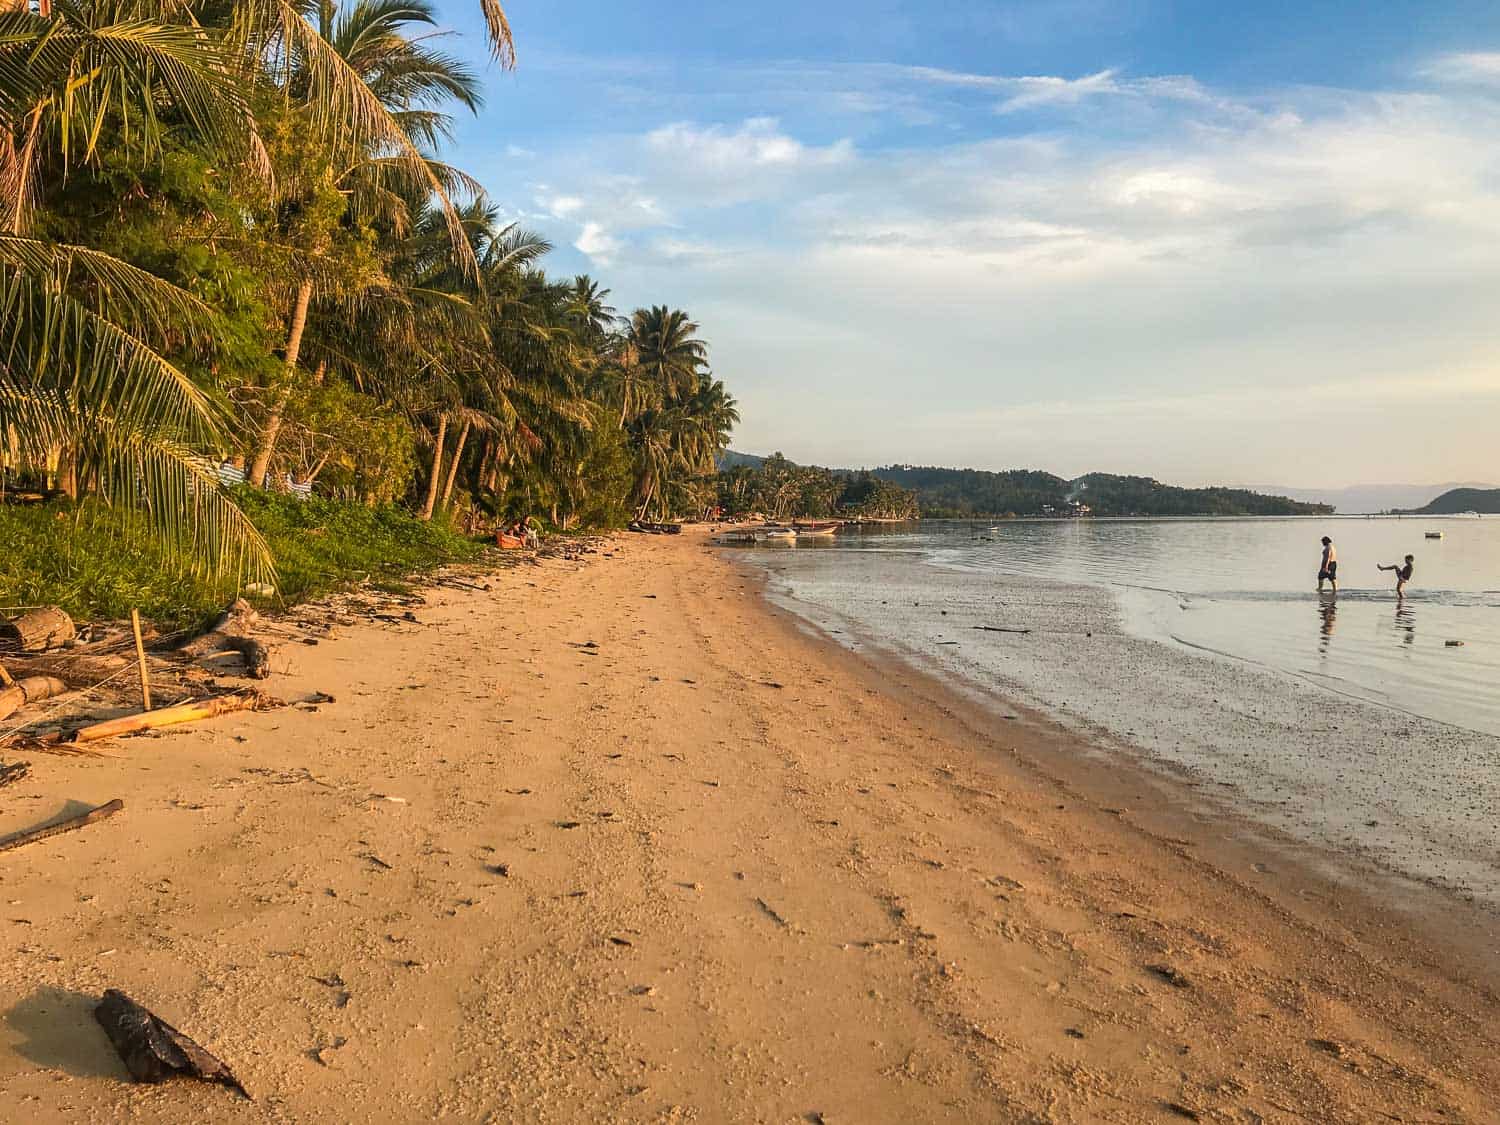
76 667
37 631
20 839
164 717
28 690
231 633
14 772
152 1049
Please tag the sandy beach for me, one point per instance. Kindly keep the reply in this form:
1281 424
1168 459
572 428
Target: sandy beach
619 840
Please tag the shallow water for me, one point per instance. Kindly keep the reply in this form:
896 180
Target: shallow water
1204 646
1247 589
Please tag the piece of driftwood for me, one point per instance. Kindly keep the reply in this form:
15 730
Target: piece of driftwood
164 717
37 630
76 667
231 633
998 629
21 839
153 1050
28 690
6 679
14 772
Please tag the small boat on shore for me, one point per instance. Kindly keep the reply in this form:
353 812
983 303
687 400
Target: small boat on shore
776 534
818 528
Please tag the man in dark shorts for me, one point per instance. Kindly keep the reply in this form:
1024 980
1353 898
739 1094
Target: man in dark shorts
1328 567
1403 575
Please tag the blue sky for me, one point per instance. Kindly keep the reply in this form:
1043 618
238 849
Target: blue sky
1245 243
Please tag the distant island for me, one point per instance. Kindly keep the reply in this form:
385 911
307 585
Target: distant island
783 489
1456 501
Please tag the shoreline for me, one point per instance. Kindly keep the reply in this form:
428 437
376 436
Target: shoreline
1171 804
748 875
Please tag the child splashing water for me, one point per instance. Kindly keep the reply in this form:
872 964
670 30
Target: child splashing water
1403 574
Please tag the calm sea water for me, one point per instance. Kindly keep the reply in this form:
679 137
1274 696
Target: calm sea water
1246 589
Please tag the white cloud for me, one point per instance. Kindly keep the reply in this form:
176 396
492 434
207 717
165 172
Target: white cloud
1048 90
597 244
1303 257
756 145
1479 67
561 206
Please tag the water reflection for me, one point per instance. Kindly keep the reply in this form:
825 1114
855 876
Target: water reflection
1406 622
1328 609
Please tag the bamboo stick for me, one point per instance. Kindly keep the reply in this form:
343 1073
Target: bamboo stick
166 717
140 656
22 838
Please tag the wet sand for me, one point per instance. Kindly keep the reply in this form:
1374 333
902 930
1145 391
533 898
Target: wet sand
714 868
1418 797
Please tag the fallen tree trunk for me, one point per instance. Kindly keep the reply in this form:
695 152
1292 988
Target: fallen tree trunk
231 633
29 690
76 668
164 717
20 839
37 631
152 1049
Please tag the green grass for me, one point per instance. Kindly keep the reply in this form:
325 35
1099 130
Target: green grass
97 563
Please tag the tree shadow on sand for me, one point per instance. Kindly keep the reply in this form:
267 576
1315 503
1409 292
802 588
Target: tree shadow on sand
61 1034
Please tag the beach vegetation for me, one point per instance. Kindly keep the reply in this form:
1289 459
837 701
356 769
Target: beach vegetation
231 248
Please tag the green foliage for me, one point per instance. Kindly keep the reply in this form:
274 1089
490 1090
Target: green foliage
99 563
785 490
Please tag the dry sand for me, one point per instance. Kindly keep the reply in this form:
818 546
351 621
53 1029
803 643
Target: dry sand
713 869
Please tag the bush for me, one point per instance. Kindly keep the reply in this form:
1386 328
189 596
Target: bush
99 563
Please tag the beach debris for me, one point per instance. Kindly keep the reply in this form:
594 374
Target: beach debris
1073 1033
1453 644
771 684
613 940
14 772
1332 1046
231 633
1173 976
20 839
167 716
37 631
567 823
1180 1110
324 1055
28 690
998 629
501 869
771 913
153 1050
376 860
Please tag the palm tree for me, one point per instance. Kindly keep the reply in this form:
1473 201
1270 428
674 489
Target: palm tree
401 82
82 363
667 350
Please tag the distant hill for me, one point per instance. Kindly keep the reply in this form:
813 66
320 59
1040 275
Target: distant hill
961 493
729 459
1486 501
1363 499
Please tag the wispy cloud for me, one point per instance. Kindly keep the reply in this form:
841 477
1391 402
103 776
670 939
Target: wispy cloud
1477 67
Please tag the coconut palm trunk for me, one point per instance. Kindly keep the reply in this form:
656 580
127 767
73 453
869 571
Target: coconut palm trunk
262 461
437 466
458 452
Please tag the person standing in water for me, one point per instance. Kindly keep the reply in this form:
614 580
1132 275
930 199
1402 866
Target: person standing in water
1328 568
1403 574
